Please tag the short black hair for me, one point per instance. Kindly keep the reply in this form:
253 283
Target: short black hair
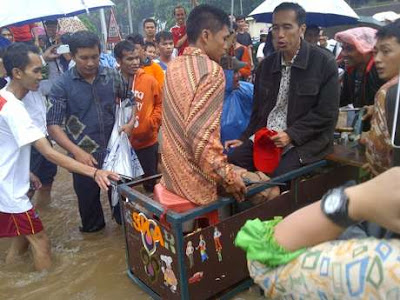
149 20
390 30
17 56
123 46
314 28
240 17
3 51
136 39
178 7
299 10
149 44
235 26
205 17
83 39
164 35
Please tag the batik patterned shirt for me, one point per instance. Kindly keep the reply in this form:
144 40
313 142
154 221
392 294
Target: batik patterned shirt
379 150
277 119
192 154
87 108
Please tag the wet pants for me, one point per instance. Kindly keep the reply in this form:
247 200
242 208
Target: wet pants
148 158
90 208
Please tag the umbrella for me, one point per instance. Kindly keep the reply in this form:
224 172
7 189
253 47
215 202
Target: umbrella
27 11
321 13
370 21
71 24
386 16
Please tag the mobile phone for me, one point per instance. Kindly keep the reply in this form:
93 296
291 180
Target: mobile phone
63 49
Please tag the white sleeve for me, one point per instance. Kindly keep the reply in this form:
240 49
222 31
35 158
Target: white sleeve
260 51
21 125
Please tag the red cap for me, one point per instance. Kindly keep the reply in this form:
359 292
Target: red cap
266 155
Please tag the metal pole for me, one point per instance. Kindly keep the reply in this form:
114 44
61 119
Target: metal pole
130 16
396 113
232 4
241 7
103 28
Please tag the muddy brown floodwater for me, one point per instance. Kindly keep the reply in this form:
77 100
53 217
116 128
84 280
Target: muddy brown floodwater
85 266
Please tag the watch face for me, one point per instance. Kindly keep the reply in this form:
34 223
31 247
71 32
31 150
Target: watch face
332 203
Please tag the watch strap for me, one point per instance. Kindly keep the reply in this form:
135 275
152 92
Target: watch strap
341 215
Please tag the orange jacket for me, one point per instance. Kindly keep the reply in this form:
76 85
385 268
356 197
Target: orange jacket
245 71
148 96
156 71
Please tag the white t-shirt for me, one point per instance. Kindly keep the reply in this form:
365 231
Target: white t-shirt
35 105
260 51
17 132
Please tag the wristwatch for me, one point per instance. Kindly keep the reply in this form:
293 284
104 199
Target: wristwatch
335 205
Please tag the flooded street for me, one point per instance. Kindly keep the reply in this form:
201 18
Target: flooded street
85 266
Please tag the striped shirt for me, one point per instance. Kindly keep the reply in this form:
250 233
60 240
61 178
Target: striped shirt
192 154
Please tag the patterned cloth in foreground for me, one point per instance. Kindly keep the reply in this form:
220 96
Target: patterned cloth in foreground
192 158
353 269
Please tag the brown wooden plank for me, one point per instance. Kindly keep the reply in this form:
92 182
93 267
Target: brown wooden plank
350 156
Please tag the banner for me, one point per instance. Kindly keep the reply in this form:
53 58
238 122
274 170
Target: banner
113 35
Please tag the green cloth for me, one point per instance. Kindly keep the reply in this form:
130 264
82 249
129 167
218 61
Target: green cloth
257 239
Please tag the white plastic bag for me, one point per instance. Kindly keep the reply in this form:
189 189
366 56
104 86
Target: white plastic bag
121 158
123 113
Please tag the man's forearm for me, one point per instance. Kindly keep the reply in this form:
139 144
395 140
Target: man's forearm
62 160
312 228
181 41
56 132
155 118
133 117
250 49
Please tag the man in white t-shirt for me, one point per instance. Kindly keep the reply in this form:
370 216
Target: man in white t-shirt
35 104
18 219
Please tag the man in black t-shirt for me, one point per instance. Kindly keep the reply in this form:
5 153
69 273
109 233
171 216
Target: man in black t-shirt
243 37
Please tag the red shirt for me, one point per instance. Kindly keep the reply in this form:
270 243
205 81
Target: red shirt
22 33
177 33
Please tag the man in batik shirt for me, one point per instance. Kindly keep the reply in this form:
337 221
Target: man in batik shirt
192 155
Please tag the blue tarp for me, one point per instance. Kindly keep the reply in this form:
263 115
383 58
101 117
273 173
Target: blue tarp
237 108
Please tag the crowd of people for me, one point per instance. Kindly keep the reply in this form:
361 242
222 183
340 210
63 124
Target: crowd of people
184 86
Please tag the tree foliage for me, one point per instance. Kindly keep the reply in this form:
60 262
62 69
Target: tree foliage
87 21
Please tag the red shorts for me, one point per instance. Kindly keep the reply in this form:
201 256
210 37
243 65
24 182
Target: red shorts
15 224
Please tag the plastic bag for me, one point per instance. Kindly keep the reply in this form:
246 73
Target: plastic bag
237 108
123 113
121 158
